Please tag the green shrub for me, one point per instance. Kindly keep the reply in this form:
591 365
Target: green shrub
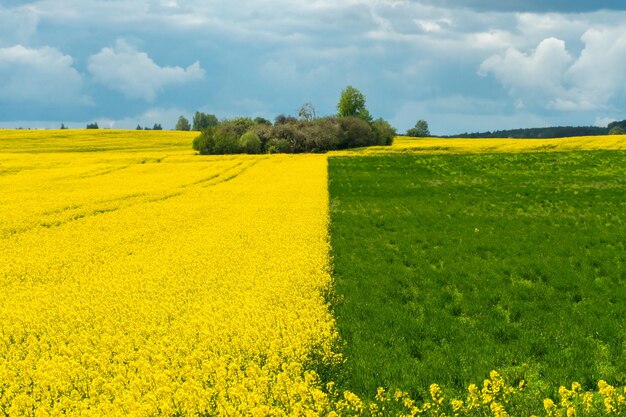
250 143
290 135
237 126
263 132
276 145
355 133
281 119
290 132
213 141
385 133
204 143
262 121
226 144
323 135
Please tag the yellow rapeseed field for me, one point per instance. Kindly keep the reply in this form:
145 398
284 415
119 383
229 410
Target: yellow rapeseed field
437 145
139 279
160 282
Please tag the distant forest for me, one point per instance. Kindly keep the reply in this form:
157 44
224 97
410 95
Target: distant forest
548 132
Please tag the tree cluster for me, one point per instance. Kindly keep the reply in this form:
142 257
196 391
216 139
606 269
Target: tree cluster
202 121
183 124
92 125
157 126
352 127
243 135
617 128
420 130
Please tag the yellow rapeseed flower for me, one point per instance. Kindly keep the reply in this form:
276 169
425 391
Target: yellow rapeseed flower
435 394
549 406
145 280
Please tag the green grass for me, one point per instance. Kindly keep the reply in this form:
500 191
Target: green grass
449 266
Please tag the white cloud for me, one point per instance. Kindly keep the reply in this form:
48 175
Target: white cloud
561 82
540 70
598 75
135 74
490 40
43 75
534 27
433 25
17 26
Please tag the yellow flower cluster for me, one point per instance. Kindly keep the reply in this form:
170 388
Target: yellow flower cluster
498 399
608 400
160 282
492 400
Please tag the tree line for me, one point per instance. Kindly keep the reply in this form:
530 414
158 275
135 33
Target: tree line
351 127
157 126
613 128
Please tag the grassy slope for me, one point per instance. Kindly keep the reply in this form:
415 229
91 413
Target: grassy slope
448 266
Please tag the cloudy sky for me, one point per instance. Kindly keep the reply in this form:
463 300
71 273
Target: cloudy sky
463 65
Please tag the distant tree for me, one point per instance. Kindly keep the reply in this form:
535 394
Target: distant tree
198 123
264 132
202 121
281 119
250 143
183 124
352 104
385 133
420 130
157 126
262 121
621 123
212 141
63 127
275 145
616 130
307 112
356 133
92 125
138 127
236 127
